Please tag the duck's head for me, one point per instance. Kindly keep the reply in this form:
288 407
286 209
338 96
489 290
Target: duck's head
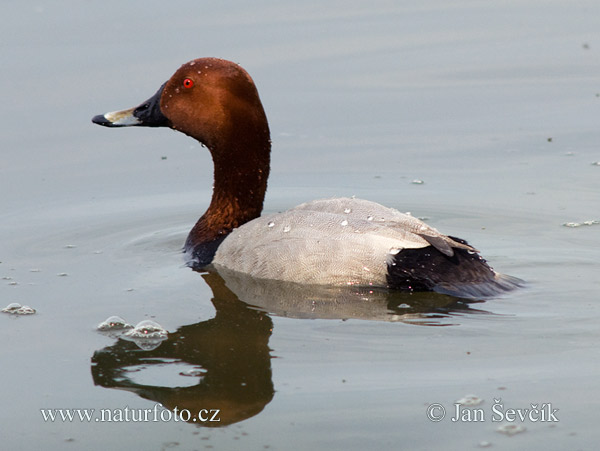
216 102
210 99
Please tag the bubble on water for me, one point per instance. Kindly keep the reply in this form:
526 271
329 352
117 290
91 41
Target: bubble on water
470 400
13 283
35 270
147 335
195 372
147 329
7 278
344 223
25 310
114 323
62 274
146 344
484 444
286 229
596 163
348 210
417 182
70 246
271 224
511 429
579 224
17 309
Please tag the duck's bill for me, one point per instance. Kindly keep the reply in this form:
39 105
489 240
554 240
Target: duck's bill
148 114
124 118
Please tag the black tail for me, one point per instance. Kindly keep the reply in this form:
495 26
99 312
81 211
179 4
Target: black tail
465 274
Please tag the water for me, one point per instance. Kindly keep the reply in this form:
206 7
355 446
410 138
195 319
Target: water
493 109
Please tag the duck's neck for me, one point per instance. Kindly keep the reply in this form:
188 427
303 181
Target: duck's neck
240 183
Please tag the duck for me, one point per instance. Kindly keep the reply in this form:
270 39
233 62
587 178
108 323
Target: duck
334 242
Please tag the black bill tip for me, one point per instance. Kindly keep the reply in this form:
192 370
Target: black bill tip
101 120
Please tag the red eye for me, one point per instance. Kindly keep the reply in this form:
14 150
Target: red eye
188 83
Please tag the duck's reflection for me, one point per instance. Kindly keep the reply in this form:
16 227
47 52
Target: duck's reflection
365 303
232 348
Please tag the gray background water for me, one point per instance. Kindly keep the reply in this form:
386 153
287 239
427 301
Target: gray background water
494 105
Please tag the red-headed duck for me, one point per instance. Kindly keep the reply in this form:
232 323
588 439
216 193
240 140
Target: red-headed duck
342 241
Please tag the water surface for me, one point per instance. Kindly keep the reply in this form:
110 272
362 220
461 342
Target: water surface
494 107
